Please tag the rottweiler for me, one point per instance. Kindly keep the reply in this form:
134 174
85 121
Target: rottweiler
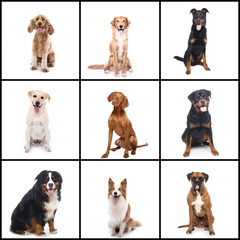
197 42
199 130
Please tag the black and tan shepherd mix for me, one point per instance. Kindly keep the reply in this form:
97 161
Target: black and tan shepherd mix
196 51
199 130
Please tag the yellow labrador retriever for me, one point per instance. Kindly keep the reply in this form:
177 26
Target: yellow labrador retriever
37 133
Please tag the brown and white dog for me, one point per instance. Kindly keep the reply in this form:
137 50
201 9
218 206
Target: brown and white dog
119 209
118 59
199 203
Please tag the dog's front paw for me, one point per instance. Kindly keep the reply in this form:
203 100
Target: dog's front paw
54 231
49 149
27 148
33 68
124 74
116 75
188 71
126 155
45 69
105 155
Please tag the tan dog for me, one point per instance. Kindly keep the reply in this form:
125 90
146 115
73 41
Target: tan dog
199 203
118 59
37 133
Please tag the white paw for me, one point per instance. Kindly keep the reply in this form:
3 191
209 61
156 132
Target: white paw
120 234
117 75
54 232
107 71
130 70
27 148
49 149
26 233
124 74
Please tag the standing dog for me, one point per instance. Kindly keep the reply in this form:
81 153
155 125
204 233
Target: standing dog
196 42
37 132
118 59
199 130
199 203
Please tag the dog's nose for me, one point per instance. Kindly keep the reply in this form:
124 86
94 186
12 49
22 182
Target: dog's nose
202 101
39 24
37 103
115 193
121 26
50 185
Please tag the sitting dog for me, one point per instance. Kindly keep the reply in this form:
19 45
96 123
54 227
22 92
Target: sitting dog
118 59
199 130
119 122
37 133
197 41
199 203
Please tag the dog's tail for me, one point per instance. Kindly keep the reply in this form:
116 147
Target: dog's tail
183 226
96 66
144 145
179 58
132 224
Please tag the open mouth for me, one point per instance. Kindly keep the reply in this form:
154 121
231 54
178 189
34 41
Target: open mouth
50 191
116 197
39 30
36 108
120 30
198 26
203 108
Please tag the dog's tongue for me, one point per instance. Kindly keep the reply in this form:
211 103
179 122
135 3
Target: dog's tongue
50 191
196 187
203 109
39 30
199 27
36 109
121 31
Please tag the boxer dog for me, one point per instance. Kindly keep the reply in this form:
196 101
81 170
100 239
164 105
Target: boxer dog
199 203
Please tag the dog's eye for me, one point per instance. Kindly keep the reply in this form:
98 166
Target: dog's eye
43 19
42 97
123 20
113 188
36 18
119 189
193 178
117 21
34 96
201 178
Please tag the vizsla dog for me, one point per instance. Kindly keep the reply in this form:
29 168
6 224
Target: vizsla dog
119 122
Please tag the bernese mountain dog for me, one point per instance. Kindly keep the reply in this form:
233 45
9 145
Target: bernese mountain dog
38 206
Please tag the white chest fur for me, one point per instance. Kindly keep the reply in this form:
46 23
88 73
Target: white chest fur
121 37
198 203
117 211
51 206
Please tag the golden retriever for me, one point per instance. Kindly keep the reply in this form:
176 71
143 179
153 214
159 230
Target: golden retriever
37 133
118 59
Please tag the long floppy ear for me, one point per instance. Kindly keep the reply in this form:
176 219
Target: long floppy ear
124 103
31 26
30 93
50 29
110 97
128 22
113 22
48 97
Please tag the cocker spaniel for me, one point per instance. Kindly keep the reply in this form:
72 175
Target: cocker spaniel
42 50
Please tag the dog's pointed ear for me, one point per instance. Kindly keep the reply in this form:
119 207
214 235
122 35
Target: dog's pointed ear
193 11
204 10
189 176
124 182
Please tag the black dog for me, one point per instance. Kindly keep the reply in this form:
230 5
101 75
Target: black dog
196 42
199 131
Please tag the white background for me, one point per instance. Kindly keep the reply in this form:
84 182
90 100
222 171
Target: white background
17 41
18 178
222 36
223 108
143 112
222 187
142 195
143 37
63 112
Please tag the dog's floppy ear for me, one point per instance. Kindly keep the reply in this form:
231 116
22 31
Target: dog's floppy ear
50 29
191 96
128 22
48 97
205 176
113 22
204 10
124 103
110 97
193 11
31 26
30 93
208 93
189 176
